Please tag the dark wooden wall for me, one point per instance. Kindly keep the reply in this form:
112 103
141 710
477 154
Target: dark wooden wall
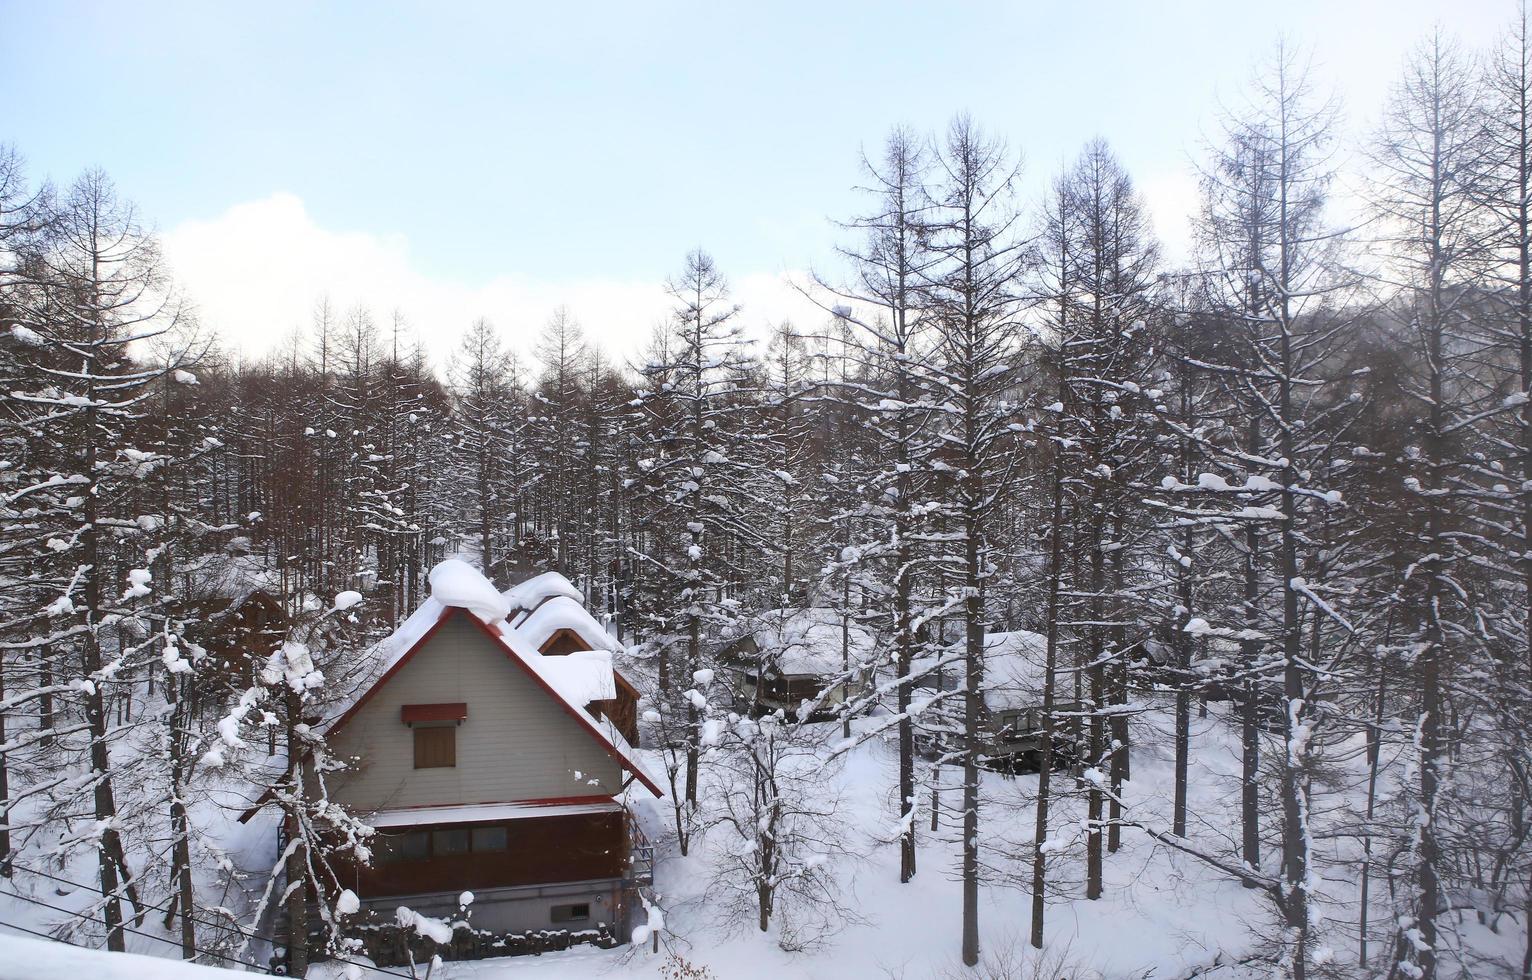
539 851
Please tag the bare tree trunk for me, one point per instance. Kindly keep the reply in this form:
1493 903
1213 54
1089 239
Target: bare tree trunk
845 648
180 825
693 719
110 857
973 722
297 858
906 727
1096 750
1250 732
1119 687
1374 755
5 790
1045 763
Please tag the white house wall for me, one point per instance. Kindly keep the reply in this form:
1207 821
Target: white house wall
518 743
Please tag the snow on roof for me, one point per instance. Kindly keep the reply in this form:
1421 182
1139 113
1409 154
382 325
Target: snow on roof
563 612
456 583
807 642
580 678
539 587
483 813
1014 669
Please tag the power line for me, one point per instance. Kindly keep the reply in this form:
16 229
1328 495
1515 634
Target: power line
149 905
41 935
214 925
148 935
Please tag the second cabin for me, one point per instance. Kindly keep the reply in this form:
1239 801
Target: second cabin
784 659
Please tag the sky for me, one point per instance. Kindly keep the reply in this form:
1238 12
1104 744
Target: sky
452 160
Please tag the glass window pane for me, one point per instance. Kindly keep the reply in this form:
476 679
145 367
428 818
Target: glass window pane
444 842
410 846
488 839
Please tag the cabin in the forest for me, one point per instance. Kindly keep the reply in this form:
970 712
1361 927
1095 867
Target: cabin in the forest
785 657
236 632
488 766
1014 674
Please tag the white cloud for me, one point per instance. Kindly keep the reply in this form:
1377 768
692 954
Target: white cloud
1173 199
256 271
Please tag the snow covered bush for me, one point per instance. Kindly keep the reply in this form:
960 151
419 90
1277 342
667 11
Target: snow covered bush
774 837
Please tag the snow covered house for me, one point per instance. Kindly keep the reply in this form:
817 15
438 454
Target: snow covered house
785 657
1014 671
483 766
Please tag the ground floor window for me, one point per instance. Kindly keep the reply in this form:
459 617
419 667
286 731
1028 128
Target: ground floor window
419 845
571 913
488 839
413 845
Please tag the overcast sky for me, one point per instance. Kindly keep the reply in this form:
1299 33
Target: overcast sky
457 159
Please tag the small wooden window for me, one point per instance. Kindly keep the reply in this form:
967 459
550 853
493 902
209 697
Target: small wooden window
571 913
488 839
449 842
435 746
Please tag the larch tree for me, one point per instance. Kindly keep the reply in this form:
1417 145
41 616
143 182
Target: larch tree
1432 217
701 481
889 283
974 284
482 381
1273 270
102 290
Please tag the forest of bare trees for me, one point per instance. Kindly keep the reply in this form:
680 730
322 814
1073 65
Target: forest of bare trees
1289 476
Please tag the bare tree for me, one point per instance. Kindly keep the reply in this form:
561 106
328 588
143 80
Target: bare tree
974 285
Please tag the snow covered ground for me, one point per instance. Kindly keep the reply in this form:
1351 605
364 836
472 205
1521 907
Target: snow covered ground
1165 913
22 958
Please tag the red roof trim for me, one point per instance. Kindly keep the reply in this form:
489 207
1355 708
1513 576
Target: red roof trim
350 712
510 654
455 711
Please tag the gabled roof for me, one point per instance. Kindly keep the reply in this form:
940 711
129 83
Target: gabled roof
573 681
1014 667
560 612
806 642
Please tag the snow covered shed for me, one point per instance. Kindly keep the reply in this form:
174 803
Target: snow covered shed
1014 674
482 767
785 657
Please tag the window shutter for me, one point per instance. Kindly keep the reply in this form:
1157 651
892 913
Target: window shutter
436 747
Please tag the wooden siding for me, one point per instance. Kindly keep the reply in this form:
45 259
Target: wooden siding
564 641
518 742
538 851
435 747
